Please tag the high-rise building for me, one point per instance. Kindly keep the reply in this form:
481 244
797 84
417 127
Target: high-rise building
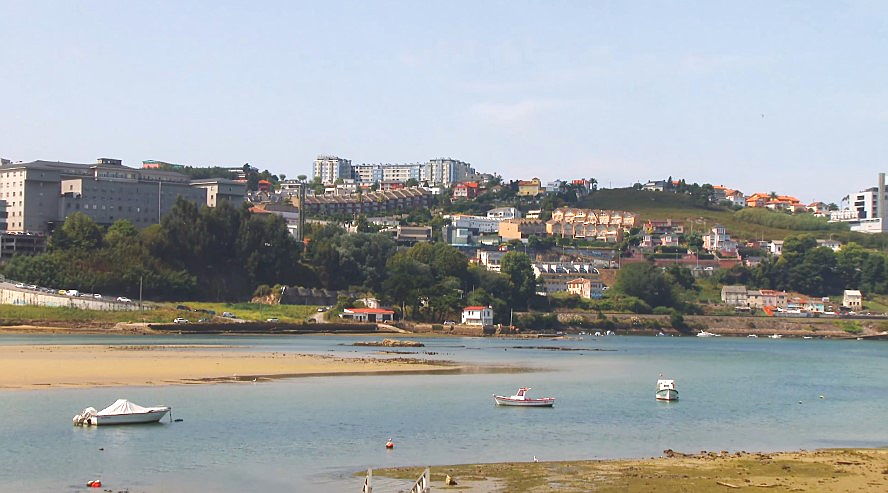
41 194
331 168
446 171
865 211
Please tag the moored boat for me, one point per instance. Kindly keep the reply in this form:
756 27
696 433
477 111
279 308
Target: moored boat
666 390
775 336
122 412
520 399
703 333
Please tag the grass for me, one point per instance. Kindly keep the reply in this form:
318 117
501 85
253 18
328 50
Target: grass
666 205
253 311
34 315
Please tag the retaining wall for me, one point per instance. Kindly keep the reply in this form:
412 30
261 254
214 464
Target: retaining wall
15 296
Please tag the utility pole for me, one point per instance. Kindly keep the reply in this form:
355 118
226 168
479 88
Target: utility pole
140 293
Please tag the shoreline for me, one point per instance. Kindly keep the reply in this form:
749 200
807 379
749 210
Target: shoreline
822 470
31 367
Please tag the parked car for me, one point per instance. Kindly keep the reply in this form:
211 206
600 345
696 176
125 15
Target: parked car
180 320
20 285
203 320
449 322
62 291
272 320
321 309
73 292
97 296
228 315
32 286
124 299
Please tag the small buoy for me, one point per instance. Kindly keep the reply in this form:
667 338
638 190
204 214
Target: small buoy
389 444
821 396
94 484
800 402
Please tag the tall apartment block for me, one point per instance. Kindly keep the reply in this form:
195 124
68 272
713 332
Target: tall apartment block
331 168
41 194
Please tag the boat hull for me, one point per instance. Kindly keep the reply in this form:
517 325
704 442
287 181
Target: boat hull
506 401
667 395
130 419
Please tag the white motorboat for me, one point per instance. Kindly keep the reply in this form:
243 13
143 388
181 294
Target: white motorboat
521 399
752 336
703 333
666 390
122 412
775 336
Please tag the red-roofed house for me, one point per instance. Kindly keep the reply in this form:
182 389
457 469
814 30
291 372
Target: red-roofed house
467 190
368 314
477 315
264 186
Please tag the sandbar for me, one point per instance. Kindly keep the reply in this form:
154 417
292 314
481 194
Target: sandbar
827 470
79 366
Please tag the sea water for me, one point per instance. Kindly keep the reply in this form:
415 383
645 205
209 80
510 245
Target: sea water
313 434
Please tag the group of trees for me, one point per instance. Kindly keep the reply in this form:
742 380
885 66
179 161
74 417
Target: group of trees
219 253
814 270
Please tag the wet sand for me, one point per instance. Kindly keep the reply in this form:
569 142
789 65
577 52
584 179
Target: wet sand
60 366
828 471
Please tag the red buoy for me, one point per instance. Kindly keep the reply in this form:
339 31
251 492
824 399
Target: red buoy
389 444
94 484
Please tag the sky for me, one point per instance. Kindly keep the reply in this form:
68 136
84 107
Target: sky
761 96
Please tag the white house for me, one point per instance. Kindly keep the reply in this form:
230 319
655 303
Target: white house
491 259
718 240
477 315
504 213
368 314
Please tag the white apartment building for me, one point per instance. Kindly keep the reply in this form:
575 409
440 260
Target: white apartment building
864 211
477 223
446 171
375 173
503 213
718 240
491 259
331 168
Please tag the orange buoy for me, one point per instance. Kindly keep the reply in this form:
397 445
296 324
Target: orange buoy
389 444
94 484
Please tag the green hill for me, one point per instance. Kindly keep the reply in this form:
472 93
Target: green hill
743 225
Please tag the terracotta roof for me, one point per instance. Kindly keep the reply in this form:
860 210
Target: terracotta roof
369 310
474 308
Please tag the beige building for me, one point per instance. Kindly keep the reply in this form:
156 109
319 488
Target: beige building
852 299
517 229
600 225
734 295
766 297
219 190
585 288
42 194
530 188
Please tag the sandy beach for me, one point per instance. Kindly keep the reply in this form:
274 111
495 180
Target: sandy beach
829 470
60 366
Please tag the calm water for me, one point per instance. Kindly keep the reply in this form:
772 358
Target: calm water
311 434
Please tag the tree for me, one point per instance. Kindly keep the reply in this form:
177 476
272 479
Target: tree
646 282
517 268
412 182
79 232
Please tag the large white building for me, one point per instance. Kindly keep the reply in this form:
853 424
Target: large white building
863 210
41 194
376 173
331 168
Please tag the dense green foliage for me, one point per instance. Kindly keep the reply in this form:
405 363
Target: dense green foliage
818 271
194 253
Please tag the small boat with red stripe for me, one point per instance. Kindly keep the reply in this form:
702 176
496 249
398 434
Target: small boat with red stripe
520 399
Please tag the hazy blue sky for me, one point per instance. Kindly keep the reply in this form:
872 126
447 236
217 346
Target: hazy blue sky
621 91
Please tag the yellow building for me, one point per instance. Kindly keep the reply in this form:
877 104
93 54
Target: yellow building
530 188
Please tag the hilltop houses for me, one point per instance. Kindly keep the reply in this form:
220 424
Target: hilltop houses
600 225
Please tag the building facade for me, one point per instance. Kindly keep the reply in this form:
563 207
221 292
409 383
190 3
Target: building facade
42 194
331 168
477 315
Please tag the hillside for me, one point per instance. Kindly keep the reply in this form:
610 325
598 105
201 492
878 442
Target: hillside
664 205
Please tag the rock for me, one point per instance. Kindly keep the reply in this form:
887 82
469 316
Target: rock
390 343
449 481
